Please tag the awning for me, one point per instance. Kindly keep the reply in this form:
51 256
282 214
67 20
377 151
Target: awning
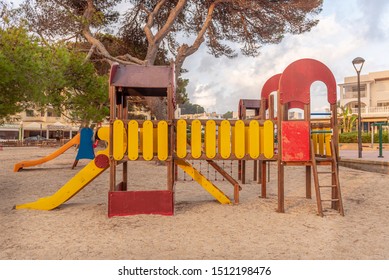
33 126
378 119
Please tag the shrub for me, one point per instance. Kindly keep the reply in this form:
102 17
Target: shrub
352 137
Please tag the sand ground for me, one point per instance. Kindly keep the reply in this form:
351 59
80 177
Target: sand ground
200 229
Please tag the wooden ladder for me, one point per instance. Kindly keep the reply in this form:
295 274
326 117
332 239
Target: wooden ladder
336 197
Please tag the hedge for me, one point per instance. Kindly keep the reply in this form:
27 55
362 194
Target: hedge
352 137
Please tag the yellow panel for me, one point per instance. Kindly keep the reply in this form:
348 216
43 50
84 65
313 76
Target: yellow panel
225 139
233 140
118 143
203 181
148 145
196 138
210 139
268 139
239 140
247 138
155 140
328 142
254 139
181 138
141 139
133 140
314 139
163 140
321 144
261 140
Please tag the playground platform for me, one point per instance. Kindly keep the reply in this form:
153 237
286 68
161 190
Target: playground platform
369 161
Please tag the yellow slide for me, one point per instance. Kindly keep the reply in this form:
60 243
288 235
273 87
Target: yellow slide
28 163
203 181
72 187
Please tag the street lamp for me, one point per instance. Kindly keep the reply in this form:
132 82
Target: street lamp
358 64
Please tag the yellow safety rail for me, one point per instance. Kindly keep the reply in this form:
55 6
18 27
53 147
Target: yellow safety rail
322 141
208 140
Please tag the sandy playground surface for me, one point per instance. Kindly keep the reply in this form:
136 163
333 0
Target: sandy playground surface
201 227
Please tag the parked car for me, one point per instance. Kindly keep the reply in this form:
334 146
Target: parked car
35 138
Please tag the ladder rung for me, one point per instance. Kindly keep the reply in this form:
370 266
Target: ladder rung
328 186
330 199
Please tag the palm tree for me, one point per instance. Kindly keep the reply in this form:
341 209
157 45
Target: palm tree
348 118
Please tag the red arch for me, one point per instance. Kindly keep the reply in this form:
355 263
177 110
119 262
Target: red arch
297 78
272 84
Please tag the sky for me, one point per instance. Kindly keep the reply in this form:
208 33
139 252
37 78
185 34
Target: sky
346 29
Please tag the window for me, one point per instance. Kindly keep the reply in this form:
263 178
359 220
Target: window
30 113
352 91
383 104
51 113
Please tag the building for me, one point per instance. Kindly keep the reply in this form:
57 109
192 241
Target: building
374 97
31 123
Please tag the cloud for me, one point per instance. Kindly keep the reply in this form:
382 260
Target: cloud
342 34
374 15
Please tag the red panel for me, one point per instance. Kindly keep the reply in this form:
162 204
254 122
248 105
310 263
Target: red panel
140 202
295 140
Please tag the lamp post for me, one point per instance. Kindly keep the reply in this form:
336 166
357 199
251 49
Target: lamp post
358 64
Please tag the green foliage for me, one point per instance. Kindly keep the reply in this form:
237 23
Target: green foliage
79 93
189 108
35 76
23 70
352 137
181 94
348 119
228 115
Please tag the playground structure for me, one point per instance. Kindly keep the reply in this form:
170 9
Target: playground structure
178 141
85 150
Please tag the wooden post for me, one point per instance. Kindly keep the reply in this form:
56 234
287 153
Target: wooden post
255 172
259 172
170 117
112 116
262 167
308 168
281 206
125 164
271 107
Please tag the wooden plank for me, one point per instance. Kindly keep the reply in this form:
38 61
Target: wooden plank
196 139
181 139
148 143
163 140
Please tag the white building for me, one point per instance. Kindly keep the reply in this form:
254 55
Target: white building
31 123
374 97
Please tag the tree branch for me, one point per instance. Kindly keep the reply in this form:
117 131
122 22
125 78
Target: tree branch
150 21
91 51
155 41
184 50
88 14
